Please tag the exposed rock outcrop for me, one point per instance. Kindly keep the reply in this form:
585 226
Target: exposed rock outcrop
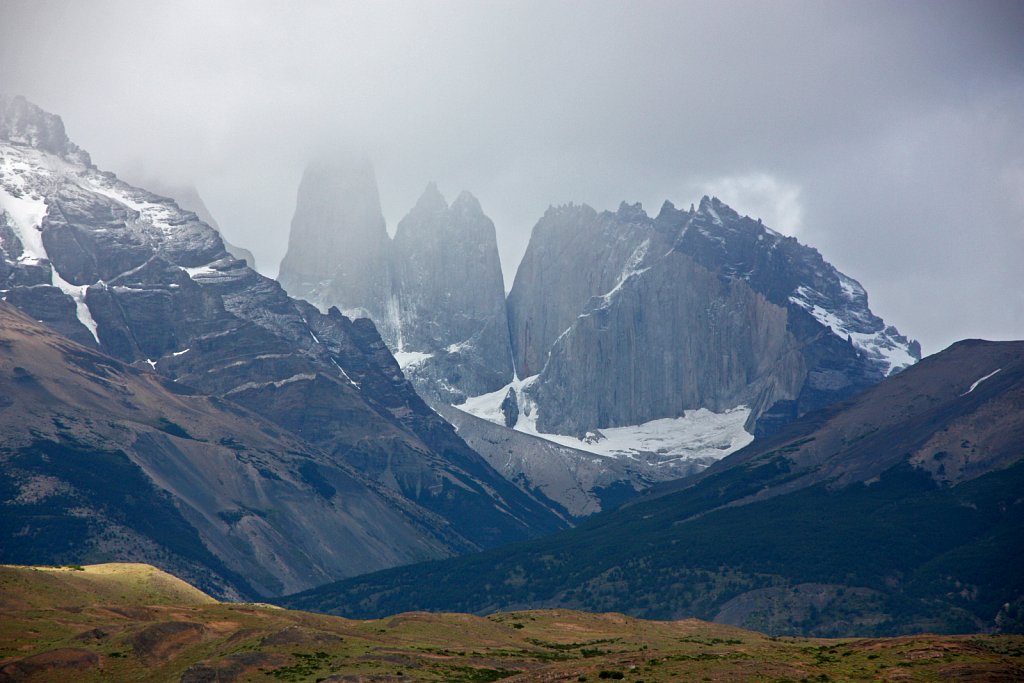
699 308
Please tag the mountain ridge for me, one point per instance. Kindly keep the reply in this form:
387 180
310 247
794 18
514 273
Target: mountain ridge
834 526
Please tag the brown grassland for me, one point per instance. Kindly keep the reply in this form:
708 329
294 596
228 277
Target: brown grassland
131 622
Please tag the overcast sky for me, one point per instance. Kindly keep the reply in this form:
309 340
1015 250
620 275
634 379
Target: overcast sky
889 135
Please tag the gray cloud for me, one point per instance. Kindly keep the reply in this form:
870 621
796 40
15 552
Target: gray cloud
886 134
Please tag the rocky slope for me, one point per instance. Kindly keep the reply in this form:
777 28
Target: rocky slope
896 511
100 460
117 268
435 292
188 198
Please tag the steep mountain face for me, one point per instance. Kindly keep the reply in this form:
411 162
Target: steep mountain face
131 273
547 296
101 460
338 247
188 198
436 292
451 298
694 309
896 511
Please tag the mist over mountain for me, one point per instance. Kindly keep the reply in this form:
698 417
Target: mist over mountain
714 406
435 292
130 273
683 334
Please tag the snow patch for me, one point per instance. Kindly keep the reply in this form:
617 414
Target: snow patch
301 377
699 434
345 374
77 293
410 359
200 271
878 345
979 381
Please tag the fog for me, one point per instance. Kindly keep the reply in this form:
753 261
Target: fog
887 135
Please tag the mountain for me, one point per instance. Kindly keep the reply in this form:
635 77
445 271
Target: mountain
895 511
435 292
666 340
102 461
130 622
338 246
130 273
692 309
187 197
451 298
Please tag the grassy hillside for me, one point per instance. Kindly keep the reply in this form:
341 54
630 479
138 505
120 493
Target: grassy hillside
136 623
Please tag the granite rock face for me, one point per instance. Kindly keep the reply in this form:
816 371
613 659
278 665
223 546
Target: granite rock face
435 292
133 274
694 309
338 247
452 297
574 254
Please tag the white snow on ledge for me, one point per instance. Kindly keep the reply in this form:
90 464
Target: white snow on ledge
877 345
699 434
979 381
409 359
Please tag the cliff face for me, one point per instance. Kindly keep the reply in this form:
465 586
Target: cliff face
435 292
338 248
451 298
694 309
669 339
574 254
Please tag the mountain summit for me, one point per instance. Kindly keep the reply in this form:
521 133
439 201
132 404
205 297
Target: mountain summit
435 292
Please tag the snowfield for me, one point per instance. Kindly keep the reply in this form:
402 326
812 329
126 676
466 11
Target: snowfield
699 434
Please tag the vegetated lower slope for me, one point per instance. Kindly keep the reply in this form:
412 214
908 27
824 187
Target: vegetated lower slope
101 461
897 511
132 622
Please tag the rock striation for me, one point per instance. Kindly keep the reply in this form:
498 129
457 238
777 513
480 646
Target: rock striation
103 460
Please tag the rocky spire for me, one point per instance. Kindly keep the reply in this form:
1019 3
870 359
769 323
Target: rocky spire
338 245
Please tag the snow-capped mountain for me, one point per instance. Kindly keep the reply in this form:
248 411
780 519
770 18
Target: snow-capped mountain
668 341
698 309
134 275
435 292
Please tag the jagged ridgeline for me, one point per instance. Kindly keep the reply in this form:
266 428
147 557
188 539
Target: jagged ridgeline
614 318
145 283
435 292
